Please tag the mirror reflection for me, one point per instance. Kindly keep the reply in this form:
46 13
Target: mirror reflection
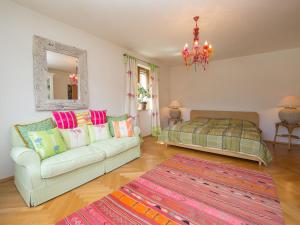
62 82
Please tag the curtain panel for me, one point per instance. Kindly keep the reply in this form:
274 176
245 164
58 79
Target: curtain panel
155 117
131 82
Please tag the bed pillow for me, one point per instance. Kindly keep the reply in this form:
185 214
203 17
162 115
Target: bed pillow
65 120
76 137
98 116
47 142
110 119
123 128
83 118
24 129
99 132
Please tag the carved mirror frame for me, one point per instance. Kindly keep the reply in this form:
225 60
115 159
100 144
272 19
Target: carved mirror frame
40 73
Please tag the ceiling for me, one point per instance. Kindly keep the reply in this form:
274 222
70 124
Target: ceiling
160 28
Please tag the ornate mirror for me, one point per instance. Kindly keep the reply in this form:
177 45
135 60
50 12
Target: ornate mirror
60 75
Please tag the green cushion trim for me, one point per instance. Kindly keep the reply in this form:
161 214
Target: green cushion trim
24 129
114 118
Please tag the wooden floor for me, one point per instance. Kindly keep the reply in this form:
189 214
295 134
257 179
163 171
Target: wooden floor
285 170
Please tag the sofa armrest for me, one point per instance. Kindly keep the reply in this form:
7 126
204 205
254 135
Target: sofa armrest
137 131
25 156
29 159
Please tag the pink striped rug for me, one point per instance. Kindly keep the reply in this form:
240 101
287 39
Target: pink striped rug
186 190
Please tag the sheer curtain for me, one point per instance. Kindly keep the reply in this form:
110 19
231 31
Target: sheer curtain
131 81
155 118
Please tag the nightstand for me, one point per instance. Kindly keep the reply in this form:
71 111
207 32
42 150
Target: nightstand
290 128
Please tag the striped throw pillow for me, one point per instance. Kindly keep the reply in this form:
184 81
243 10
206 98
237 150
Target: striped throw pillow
98 116
123 128
83 118
65 120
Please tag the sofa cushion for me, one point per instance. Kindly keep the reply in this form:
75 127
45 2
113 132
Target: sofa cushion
47 143
65 120
123 128
98 132
76 137
70 160
114 146
110 119
24 129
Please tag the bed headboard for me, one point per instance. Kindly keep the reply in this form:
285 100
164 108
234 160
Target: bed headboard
251 116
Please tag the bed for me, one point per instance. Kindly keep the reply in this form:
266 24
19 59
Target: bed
235 134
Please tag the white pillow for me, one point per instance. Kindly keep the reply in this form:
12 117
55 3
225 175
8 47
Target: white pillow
75 137
99 132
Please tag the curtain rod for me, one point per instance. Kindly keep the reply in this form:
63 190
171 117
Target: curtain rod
139 59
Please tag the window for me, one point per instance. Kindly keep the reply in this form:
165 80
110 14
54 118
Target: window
143 88
143 77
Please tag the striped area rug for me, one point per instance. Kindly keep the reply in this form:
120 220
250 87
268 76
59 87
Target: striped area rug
186 190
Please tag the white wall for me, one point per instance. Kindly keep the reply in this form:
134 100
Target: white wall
17 27
251 83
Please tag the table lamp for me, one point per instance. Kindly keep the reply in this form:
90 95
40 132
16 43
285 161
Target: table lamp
175 112
290 114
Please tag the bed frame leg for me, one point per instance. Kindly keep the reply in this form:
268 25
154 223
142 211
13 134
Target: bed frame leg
166 145
259 163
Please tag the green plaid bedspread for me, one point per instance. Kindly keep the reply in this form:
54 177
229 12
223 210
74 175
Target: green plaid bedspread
229 134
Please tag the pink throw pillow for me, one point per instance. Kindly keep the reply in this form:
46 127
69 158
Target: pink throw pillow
65 120
98 116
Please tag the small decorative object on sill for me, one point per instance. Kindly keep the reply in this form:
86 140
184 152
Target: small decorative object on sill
198 55
175 112
290 114
143 97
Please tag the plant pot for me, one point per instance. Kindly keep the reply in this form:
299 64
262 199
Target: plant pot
142 106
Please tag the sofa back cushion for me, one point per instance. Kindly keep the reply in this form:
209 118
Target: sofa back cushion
123 128
47 142
98 116
24 129
83 118
99 132
75 137
110 120
65 120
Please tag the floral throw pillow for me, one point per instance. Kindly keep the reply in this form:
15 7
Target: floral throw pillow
47 142
75 137
99 132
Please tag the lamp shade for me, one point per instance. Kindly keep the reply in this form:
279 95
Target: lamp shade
290 102
175 104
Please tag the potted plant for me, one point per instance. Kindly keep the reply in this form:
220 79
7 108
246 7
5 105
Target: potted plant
143 97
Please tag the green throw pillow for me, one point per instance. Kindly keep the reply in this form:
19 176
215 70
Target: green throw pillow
24 129
99 132
75 137
47 142
114 118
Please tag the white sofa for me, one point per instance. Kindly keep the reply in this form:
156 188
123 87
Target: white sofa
40 180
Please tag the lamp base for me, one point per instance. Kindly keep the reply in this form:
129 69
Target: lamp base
289 115
175 113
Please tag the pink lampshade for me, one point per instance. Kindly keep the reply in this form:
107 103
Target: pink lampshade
290 102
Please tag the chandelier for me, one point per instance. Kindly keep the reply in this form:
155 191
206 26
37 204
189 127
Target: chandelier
198 55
